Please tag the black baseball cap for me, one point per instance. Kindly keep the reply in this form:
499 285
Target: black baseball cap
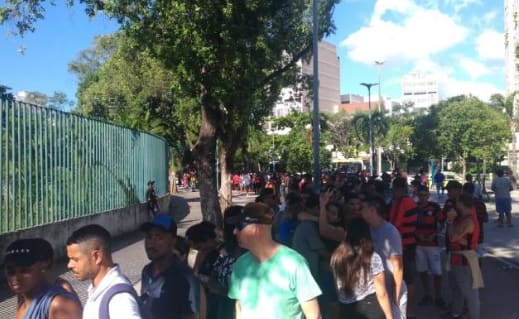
26 252
254 213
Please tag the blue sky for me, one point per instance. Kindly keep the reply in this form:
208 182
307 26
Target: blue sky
460 41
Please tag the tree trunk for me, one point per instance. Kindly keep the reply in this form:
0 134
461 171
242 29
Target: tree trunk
226 186
229 148
204 153
463 167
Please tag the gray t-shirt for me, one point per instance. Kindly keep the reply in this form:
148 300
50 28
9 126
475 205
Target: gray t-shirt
387 243
308 243
501 187
362 288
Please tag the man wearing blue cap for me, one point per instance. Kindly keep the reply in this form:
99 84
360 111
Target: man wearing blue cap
164 286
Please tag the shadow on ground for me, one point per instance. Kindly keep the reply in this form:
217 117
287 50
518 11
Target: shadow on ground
179 207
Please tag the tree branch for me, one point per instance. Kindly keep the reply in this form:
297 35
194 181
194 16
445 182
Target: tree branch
287 66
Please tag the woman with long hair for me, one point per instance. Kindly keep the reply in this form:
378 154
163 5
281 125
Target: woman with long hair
359 274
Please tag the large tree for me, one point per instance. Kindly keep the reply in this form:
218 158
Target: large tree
396 142
213 47
468 127
342 135
507 105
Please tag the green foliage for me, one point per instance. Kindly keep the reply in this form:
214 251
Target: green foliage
379 124
342 134
425 136
59 101
294 149
396 143
133 89
469 127
35 98
504 104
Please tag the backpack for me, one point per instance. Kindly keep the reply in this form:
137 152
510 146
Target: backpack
112 291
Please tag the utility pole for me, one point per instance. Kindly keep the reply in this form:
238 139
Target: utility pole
370 133
315 114
379 149
379 65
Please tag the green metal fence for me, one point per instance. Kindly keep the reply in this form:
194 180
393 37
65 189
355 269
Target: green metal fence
56 166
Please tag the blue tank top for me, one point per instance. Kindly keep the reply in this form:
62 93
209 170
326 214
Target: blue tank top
40 306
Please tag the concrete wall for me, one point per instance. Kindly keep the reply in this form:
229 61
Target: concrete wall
117 222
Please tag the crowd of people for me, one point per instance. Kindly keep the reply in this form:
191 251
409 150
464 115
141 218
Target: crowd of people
353 250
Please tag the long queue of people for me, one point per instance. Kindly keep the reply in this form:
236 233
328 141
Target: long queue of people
365 249
348 252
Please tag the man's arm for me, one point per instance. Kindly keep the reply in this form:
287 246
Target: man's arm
382 296
397 265
237 310
203 303
124 305
311 309
64 308
457 232
325 229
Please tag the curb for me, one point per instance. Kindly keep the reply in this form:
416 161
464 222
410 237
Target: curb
511 264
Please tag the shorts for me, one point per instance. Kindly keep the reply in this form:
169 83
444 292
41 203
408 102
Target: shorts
503 205
409 258
428 258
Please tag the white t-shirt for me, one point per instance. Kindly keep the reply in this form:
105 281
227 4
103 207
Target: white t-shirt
362 288
121 306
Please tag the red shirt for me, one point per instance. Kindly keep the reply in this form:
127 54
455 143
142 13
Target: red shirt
403 216
428 219
470 241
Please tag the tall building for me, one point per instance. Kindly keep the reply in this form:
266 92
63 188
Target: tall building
421 89
295 99
511 41
511 24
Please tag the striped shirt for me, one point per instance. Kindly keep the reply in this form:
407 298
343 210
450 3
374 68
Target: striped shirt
403 216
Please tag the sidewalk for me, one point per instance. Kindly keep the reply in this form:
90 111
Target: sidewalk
500 243
503 243
128 250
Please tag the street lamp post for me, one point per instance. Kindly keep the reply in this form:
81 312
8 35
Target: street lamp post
273 154
315 115
368 86
379 64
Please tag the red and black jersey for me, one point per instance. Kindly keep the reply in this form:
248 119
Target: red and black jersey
403 216
469 242
428 222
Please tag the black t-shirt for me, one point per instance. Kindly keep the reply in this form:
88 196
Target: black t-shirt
167 295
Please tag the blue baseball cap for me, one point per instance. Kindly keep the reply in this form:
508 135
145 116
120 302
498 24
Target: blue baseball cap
163 222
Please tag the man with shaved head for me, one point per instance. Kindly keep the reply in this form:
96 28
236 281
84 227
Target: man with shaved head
270 280
110 294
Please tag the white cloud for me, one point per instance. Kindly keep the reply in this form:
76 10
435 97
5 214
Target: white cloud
489 17
459 5
420 33
490 45
481 90
473 68
451 85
